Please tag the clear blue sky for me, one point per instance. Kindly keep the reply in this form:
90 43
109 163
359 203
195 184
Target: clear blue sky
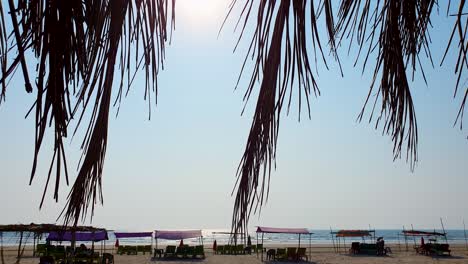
178 170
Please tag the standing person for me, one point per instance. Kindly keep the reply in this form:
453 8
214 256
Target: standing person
181 243
215 245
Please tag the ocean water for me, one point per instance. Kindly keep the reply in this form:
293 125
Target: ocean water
318 237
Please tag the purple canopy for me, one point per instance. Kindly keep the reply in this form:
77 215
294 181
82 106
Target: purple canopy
79 236
262 229
176 235
135 234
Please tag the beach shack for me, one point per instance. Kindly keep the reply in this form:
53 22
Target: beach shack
37 231
290 253
368 244
129 250
430 245
183 250
81 253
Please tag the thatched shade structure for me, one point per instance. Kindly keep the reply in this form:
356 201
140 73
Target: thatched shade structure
46 228
39 229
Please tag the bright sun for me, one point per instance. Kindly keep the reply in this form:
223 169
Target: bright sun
199 11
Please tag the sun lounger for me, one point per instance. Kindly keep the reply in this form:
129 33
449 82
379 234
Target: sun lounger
181 252
199 252
253 249
440 249
121 250
107 258
132 250
170 251
220 249
147 248
368 249
291 253
41 249
239 249
281 254
259 249
354 248
227 249
301 254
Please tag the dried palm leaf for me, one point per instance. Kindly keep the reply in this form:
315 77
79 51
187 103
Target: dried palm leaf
77 46
279 51
3 53
396 32
460 27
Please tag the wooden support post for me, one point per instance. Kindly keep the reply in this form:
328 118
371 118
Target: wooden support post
262 246
19 246
464 231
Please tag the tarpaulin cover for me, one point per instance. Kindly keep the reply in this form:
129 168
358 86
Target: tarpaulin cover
353 233
262 229
134 234
176 235
421 233
79 236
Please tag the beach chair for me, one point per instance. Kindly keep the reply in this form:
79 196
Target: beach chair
228 249
189 252
132 250
107 258
354 248
281 254
441 249
253 249
199 251
240 249
259 249
140 249
271 254
58 253
170 251
181 251
41 249
147 248
301 254
46 260
220 249
291 253
368 249
121 250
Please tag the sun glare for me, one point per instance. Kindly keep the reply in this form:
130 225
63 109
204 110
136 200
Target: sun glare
199 12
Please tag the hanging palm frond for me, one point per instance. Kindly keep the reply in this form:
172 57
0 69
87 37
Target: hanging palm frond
400 29
77 46
3 53
460 29
281 62
396 32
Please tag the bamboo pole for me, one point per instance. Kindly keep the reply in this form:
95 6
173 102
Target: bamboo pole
256 248
1 248
443 229
262 246
414 238
399 244
19 246
464 231
333 240
34 244
406 239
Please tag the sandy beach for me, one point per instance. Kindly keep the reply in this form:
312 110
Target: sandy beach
320 254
